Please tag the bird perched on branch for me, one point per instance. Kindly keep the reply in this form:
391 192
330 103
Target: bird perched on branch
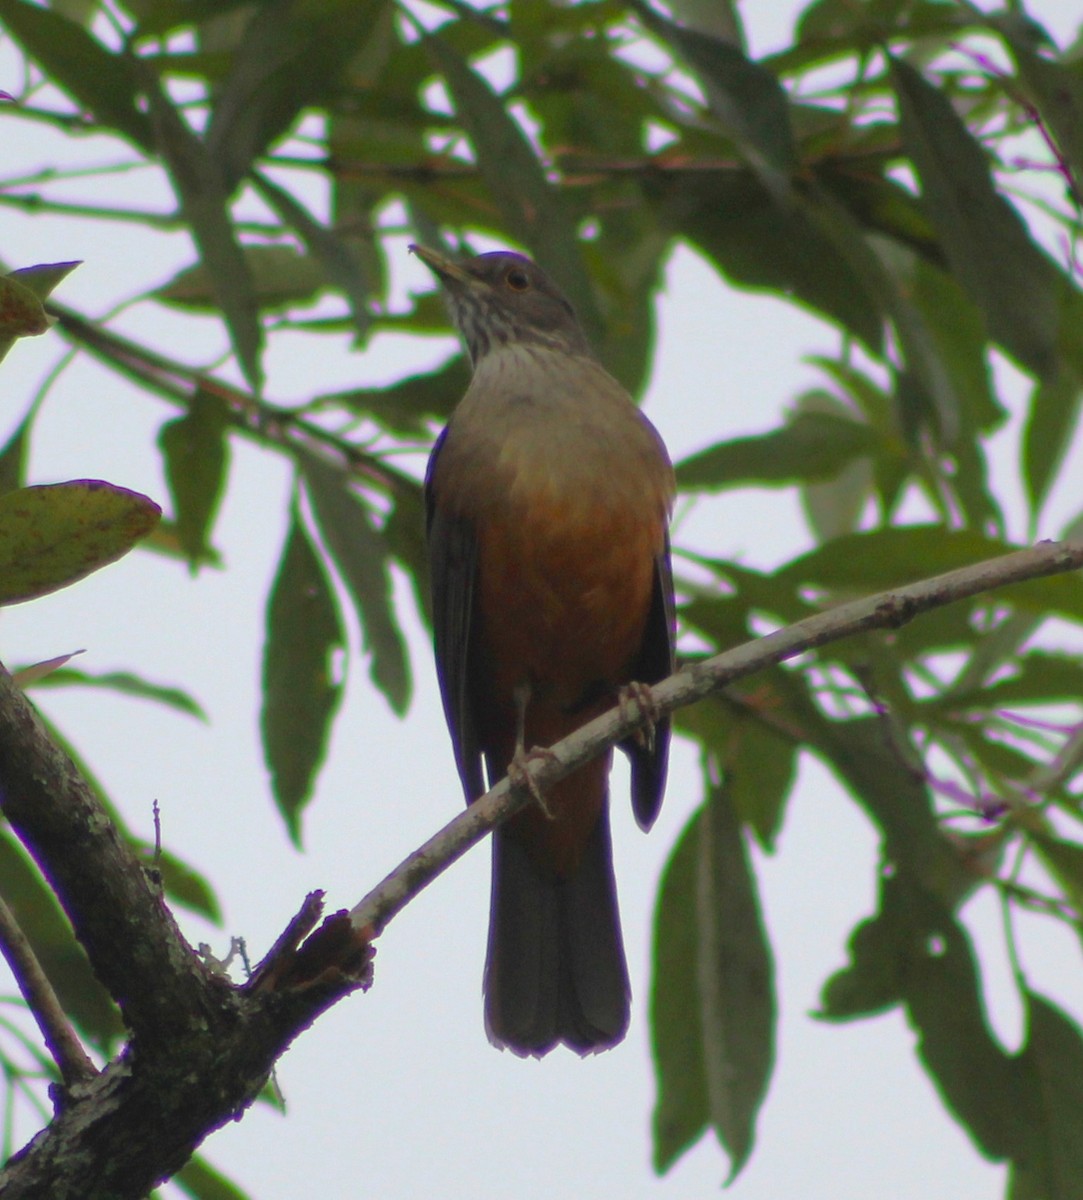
548 498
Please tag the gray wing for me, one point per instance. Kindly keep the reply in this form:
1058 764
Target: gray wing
452 570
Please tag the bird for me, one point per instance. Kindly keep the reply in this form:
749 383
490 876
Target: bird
548 497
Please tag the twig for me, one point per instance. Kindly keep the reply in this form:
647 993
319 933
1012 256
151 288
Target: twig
64 1046
887 610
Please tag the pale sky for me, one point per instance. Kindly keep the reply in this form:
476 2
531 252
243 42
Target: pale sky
397 1094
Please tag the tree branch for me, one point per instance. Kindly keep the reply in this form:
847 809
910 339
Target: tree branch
202 1047
887 610
56 1031
129 935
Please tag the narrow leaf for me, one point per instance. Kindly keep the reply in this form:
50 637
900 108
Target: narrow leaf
361 554
1052 1064
205 207
985 240
13 456
124 683
198 1179
300 690
290 57
196 452
64 961
712 1001
43 278
680 1109
338 258
281 278
735 974
977 1080
743 95
53 535
21 313
1064 860
1052 419
532 210
810 446
1055 87
101 83
405 407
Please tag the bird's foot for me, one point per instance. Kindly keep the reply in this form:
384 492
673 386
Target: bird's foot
519 775
641 695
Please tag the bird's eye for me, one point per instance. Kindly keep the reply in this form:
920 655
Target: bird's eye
517 280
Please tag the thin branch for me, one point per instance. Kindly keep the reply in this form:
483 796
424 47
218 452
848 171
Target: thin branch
887 610
66 1049
255 418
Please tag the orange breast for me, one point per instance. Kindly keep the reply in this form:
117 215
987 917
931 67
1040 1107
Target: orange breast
563 597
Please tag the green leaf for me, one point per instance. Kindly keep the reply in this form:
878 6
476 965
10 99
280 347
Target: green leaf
405 407
986 242
1038 677
300 691
53 535
13 456
730 218
881 558
728 977
158 17
404 533
339 261
101 83
205 208
44 278
958 332
758 763
21 313
977 1080
1064 860
360 553
1056 88
196 452
680 1110
810 446
64 961
198 1179
873 263
290 57
1052 1064
282 277
744 96
1052 419
533 212
126 684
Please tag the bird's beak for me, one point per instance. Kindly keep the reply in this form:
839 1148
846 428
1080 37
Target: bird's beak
445 269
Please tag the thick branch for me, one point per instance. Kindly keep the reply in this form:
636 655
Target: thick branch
887 610
129 935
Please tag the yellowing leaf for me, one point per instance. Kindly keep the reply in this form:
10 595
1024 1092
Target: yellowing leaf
52 535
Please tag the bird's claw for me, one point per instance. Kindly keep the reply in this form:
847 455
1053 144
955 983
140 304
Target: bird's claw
641 695
519 775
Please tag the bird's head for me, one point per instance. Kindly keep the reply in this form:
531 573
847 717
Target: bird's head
502 298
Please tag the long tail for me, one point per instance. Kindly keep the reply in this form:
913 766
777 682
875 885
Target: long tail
555 970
